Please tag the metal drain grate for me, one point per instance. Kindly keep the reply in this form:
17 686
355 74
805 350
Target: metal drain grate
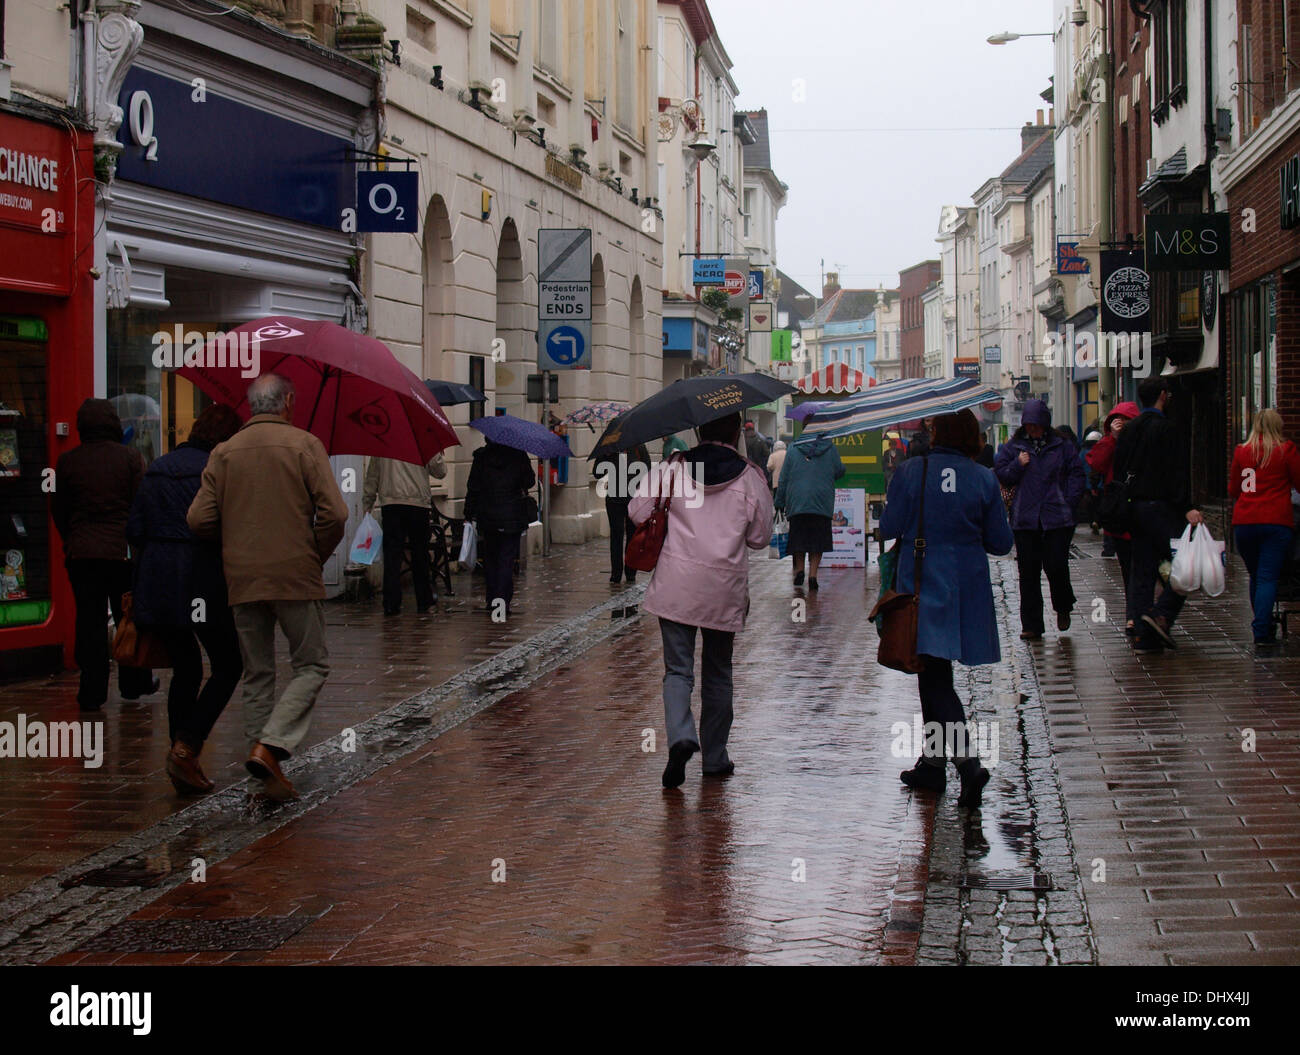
1076 553
132 872
198 935
1007 881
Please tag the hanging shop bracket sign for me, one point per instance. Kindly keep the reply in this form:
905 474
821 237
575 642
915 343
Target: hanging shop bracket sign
1188 241
387 201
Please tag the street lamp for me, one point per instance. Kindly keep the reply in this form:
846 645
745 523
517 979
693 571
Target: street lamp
1006 36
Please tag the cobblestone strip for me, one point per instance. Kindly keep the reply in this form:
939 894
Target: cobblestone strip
45 919
1022 829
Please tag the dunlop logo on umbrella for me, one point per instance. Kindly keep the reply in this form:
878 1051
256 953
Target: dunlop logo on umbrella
373 418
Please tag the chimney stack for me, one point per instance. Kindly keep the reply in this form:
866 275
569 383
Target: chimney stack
832 284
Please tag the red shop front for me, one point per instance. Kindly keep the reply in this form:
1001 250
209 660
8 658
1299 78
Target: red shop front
47 221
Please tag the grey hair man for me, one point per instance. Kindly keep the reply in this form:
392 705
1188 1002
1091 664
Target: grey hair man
269 495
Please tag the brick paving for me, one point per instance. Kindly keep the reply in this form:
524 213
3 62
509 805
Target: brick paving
54 811
812 853
1199 838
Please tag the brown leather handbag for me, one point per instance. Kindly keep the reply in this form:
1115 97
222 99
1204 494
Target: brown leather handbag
642 551
899 613
133 647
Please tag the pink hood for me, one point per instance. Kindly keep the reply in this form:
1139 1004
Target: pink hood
702 578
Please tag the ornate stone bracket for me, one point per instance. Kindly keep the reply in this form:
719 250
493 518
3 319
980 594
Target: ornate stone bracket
117 42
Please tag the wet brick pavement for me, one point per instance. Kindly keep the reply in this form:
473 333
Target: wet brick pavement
54 811
532 765
1188 844
812 853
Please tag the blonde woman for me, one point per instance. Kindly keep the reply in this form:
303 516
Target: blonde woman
1264 470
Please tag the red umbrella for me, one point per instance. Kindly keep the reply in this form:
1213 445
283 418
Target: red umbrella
352 393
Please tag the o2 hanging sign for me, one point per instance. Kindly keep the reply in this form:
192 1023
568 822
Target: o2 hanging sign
387 201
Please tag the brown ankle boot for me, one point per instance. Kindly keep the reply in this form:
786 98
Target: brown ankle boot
186 774
263 764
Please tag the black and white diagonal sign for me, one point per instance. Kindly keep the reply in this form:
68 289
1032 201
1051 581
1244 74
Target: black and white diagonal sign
563 273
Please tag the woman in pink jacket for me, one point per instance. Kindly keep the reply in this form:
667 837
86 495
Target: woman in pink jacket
702 582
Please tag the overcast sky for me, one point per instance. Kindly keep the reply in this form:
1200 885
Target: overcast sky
870 200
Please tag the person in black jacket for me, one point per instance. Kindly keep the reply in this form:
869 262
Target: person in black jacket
621 476
496 498
94 485
1152 456
180 595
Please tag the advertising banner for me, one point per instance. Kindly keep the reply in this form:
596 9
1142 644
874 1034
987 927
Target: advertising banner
1125 291
848 530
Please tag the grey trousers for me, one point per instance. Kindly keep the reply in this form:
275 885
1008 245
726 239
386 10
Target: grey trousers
281 723
715 690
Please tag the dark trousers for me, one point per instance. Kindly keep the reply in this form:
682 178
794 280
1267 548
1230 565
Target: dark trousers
97 584
499 549
1154 524
620 530
1124 554
193 711
1264 548
940 703
715 690
1038 552
403 524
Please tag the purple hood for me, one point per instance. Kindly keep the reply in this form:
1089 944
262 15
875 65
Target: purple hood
1036 413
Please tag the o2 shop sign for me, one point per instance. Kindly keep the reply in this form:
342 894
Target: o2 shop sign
387 201
1187 242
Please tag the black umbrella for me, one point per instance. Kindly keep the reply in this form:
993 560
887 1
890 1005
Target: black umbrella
449 393
687 404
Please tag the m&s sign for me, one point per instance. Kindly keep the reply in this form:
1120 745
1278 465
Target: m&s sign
1187 242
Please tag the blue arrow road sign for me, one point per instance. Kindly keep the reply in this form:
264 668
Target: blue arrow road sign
564 345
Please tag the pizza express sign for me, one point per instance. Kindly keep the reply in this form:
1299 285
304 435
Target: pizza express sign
1187 242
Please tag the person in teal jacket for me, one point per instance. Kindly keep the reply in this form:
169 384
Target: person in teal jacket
965 519
806 492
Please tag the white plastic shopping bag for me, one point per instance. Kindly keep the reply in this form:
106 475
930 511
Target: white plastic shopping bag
367 542
469 546
1209 560
1185 573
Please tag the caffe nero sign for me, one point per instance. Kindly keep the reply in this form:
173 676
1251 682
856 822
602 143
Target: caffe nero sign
1187 242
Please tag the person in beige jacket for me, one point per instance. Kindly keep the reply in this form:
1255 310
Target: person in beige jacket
268 493
403 492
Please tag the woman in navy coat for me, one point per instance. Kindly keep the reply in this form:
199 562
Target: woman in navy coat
174 572
964 520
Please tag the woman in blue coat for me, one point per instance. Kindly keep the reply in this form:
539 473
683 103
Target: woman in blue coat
964 520
1044 468
174 572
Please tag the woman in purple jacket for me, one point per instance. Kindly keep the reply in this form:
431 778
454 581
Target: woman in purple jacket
1044 468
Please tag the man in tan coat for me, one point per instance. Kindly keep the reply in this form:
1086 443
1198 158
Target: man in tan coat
269 495
403 491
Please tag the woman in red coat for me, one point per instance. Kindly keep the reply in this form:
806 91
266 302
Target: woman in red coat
1264 470
1101 460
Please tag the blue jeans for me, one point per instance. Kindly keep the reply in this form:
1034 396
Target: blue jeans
1264 548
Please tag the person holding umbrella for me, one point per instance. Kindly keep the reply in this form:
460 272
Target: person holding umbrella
496 498
701 584
268 493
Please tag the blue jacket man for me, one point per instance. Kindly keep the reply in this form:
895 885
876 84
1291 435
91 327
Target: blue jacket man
1044 468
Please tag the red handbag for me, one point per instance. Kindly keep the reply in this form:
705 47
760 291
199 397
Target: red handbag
642 552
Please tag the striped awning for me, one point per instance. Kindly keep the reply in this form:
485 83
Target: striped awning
897 401
835 377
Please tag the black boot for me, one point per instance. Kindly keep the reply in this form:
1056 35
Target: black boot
925 776
675 771
973 778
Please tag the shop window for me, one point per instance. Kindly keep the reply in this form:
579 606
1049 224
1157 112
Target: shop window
1169 47
24 457
1254 354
